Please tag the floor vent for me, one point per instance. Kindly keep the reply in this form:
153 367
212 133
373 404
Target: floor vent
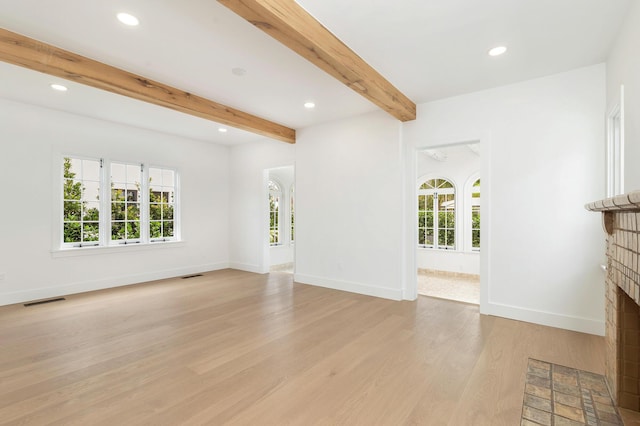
42 302
186 277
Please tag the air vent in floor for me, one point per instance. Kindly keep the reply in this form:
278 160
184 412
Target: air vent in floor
191 276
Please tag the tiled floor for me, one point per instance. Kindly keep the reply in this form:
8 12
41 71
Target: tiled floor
285 267
561 396
447 286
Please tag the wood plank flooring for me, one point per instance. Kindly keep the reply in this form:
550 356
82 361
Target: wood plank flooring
237 348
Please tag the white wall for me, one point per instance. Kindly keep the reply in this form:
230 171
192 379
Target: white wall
33 137
248 202
462 168
349 205
542 160
623 67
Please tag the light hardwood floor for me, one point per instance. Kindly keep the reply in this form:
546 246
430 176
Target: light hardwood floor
237 348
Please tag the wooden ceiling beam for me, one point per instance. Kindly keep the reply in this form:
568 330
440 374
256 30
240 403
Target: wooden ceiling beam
29 53
289 23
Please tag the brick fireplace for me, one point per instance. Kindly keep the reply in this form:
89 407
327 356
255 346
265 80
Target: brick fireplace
621 220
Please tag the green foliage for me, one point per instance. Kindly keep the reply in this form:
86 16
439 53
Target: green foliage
81 216
475 226
81 219
274 219
161 213
445 216
125 213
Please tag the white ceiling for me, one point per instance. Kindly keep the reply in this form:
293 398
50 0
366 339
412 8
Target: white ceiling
429 49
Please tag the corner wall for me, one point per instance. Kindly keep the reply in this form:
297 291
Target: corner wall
33 137
542 145
349 205
248 201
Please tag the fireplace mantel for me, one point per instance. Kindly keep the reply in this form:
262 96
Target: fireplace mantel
624 202
621 221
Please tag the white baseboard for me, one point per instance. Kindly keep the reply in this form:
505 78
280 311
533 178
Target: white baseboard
583 325
101 284
353 287
246 267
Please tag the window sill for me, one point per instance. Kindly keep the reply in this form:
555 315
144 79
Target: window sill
124 248
449 250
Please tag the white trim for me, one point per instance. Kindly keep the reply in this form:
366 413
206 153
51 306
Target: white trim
121 248
615 147
409 161
456 215
484 142
256 269
550 319
350 286
101 284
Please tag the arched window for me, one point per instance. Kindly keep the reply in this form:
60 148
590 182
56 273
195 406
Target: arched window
437 214
475 215
275 195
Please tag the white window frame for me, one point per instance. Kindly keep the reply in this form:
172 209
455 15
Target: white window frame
615 147
472 182
60 192
176 205
105 208
434 192
143 190
280 196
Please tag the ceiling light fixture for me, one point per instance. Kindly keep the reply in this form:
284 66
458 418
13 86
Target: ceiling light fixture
128 19
497 51
309 105
222 130
59 87
436 154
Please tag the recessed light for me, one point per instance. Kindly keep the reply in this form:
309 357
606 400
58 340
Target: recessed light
309 105
497 51
222 130
59 87
128 19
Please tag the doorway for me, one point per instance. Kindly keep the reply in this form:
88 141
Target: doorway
281 193
449 226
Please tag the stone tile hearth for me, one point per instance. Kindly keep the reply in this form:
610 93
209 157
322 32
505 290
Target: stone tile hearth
555 395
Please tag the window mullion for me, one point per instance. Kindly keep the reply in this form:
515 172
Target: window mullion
436 221
105 202
144 205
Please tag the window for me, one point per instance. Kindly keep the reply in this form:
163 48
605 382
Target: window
81 202
436 214
275 195
88 192
292 215
162 191
125 202
475 216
